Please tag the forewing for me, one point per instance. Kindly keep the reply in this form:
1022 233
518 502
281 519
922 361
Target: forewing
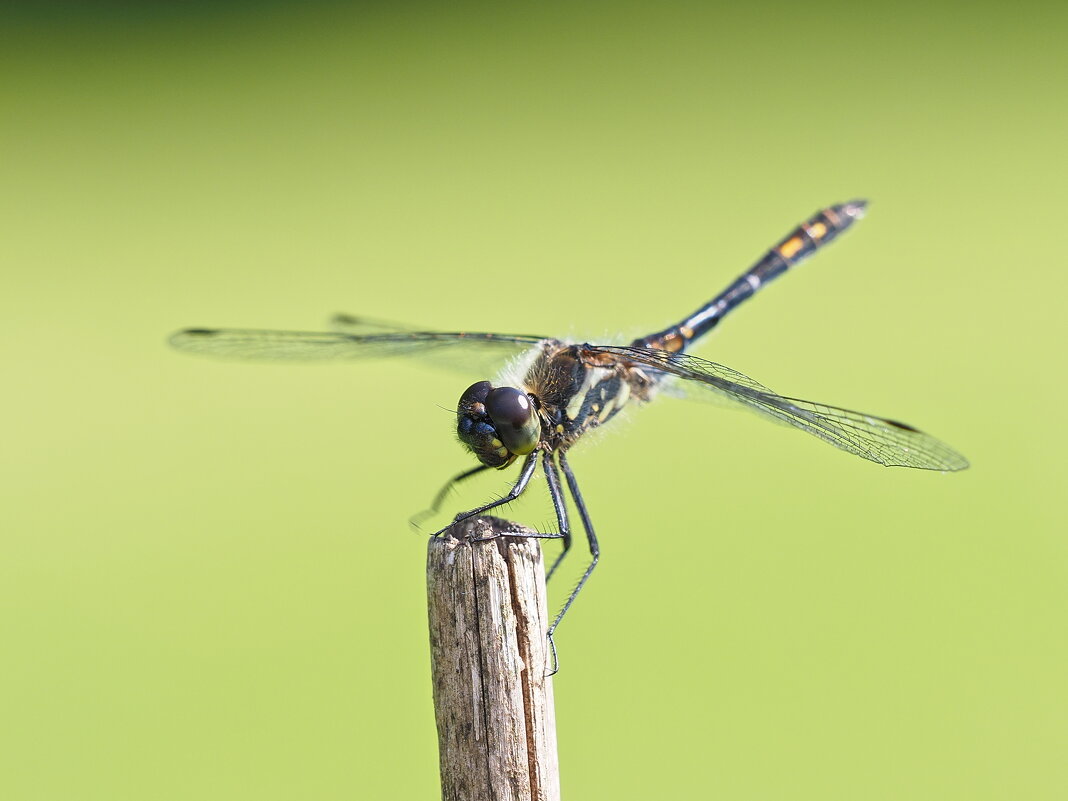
479 353
878 439
360 325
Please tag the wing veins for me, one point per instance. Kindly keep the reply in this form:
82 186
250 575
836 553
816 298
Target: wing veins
450 349
869 436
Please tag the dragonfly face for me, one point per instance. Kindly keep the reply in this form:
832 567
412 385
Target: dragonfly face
497 423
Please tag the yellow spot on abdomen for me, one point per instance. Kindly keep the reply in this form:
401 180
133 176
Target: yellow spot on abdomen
790 247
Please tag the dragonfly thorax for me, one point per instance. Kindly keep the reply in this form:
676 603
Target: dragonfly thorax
497 423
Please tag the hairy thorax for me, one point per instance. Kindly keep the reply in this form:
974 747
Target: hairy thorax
577 390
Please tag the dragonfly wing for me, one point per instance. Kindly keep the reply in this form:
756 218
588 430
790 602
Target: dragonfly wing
353 324
462 350
878 439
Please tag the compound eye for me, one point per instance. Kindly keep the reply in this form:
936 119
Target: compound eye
513 414
507 406
476 393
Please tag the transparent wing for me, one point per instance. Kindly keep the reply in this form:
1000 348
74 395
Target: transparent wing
878 439
353 324
460 350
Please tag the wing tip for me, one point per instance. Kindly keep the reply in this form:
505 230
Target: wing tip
960 463
181 339
949 462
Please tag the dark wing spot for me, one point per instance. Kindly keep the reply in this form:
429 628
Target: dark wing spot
200 332
904 426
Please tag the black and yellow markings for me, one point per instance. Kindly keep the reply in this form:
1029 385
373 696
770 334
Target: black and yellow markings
809 235
816 230
791 247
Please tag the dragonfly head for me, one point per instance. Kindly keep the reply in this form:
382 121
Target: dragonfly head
497 423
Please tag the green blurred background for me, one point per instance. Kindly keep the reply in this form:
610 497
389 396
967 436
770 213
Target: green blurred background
208 589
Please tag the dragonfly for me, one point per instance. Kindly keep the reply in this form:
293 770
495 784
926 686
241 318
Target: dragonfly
554 392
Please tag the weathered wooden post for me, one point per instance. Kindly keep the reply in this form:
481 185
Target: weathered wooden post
490 656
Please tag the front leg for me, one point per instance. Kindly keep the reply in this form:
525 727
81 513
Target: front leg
553 480
416 520
529 466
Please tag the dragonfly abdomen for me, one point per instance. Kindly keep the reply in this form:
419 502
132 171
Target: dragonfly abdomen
795 247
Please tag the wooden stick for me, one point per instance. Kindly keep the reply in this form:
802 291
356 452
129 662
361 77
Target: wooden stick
489 654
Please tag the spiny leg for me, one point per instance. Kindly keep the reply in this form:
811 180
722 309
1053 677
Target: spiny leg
595 554
415 520
559 504
552 477
553 480
517 489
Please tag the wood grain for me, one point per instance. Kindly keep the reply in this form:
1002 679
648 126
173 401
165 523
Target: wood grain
492 699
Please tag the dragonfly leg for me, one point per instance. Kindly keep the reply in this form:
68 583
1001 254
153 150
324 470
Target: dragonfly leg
417 519
553 480
595 555
517 489
552 477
